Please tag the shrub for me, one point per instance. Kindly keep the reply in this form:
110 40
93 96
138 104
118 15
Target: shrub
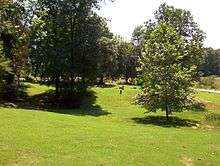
207 83
211 119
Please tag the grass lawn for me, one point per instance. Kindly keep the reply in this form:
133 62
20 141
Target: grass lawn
212 97
108 131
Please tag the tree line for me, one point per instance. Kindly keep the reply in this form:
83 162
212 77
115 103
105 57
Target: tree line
211 63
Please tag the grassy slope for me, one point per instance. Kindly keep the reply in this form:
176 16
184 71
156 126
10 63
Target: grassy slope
212 97
30 137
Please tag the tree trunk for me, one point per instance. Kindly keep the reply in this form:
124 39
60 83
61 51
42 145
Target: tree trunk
72 52
57 87
101 81
126 80
167 114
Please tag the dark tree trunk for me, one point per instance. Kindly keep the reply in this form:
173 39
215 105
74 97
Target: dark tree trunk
72 21
101 81
57 87
126 80
167 113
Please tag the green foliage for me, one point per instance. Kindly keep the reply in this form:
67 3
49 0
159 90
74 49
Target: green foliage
172 53
138 35
7 84
211 64
107 62
4 63
127 59
65 44
207 83
138 38
14 39
118 59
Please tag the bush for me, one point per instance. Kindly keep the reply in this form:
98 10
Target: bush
207 83
211 119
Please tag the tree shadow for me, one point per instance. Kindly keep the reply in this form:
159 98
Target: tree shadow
79 105
106 85
162 121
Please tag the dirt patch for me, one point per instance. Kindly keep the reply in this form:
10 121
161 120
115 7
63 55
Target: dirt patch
186 161
210 105
18 157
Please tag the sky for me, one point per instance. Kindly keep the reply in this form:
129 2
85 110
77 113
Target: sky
125 15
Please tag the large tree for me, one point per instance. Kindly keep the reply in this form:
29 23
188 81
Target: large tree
65 42
172 53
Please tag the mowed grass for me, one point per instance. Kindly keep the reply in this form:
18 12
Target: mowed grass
114 132
211 97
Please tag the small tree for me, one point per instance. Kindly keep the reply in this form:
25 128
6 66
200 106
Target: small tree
173 50
167 71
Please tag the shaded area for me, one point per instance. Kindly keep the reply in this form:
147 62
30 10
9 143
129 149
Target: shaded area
78 105
161 121
104 85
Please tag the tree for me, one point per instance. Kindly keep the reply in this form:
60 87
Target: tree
127 59
211 64
65 41
138 35
138 39
108 64
169 66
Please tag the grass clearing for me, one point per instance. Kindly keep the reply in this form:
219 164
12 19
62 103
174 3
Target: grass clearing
115 132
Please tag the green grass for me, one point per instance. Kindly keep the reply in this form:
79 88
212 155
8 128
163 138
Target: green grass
115 132
35 89
212 97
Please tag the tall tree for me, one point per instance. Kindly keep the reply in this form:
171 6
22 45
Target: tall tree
65 42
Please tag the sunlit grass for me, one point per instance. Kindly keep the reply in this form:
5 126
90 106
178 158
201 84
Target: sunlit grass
119 136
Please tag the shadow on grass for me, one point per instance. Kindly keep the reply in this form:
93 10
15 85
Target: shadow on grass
106 85
85 105
161 121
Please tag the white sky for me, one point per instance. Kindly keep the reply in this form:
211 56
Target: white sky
125 15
